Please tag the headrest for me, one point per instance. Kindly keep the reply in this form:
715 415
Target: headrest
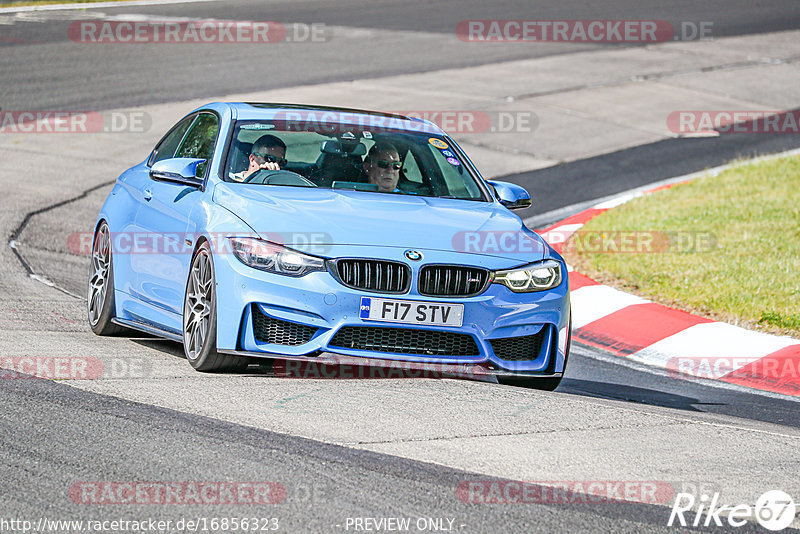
333 146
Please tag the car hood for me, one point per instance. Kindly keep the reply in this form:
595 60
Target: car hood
300 217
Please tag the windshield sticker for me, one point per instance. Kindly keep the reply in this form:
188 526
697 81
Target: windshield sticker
448 154
258 126
348 135
367 135
453 161
438 143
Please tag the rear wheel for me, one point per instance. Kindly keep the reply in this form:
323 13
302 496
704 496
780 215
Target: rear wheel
101 286
544 384
200 317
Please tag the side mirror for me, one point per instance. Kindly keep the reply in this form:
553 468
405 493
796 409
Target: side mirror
182 171
512 196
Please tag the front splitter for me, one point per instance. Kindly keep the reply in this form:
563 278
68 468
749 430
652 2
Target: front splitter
317 366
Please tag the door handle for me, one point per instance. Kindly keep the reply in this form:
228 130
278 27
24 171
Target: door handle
148 194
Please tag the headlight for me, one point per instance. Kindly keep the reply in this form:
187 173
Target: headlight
274 258
537 276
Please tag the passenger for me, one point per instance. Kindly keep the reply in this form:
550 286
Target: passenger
268 152
382 167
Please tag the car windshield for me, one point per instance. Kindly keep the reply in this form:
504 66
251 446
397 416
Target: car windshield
344 156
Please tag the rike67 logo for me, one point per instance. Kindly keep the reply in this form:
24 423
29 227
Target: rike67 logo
774 510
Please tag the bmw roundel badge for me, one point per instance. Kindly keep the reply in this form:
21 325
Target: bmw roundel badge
413 255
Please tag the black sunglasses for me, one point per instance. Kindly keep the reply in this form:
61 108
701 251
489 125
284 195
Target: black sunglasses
383 164
272 159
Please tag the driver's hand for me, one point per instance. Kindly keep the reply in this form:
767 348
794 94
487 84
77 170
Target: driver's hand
270 166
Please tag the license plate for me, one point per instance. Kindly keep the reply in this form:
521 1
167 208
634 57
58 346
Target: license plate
411 312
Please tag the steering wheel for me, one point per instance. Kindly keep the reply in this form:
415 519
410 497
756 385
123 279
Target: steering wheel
269 177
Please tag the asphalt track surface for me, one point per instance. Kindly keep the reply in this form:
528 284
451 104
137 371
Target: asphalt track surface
52 434
83 76
92 437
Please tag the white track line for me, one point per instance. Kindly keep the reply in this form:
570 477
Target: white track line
91 5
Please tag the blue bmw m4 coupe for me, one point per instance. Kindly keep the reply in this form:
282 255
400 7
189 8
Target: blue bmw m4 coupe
312 234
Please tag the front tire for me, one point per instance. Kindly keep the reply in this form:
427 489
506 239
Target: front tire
200 317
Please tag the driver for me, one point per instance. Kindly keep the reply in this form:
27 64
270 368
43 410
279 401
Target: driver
382 167
268 152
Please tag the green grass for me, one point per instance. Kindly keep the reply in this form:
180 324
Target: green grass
749 276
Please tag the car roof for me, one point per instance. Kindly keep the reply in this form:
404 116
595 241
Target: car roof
330 114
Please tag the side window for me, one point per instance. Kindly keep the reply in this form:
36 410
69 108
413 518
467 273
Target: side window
166 149
200 141
411 169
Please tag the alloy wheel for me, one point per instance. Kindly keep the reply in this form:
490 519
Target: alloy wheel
98 280
199 304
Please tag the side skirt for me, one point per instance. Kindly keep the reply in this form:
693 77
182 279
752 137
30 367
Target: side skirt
149 329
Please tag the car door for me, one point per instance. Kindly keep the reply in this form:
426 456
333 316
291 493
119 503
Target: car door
164 218
129 259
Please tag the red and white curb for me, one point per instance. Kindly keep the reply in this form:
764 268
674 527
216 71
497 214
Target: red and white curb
686 345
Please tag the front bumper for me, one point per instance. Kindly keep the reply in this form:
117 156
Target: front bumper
318 301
